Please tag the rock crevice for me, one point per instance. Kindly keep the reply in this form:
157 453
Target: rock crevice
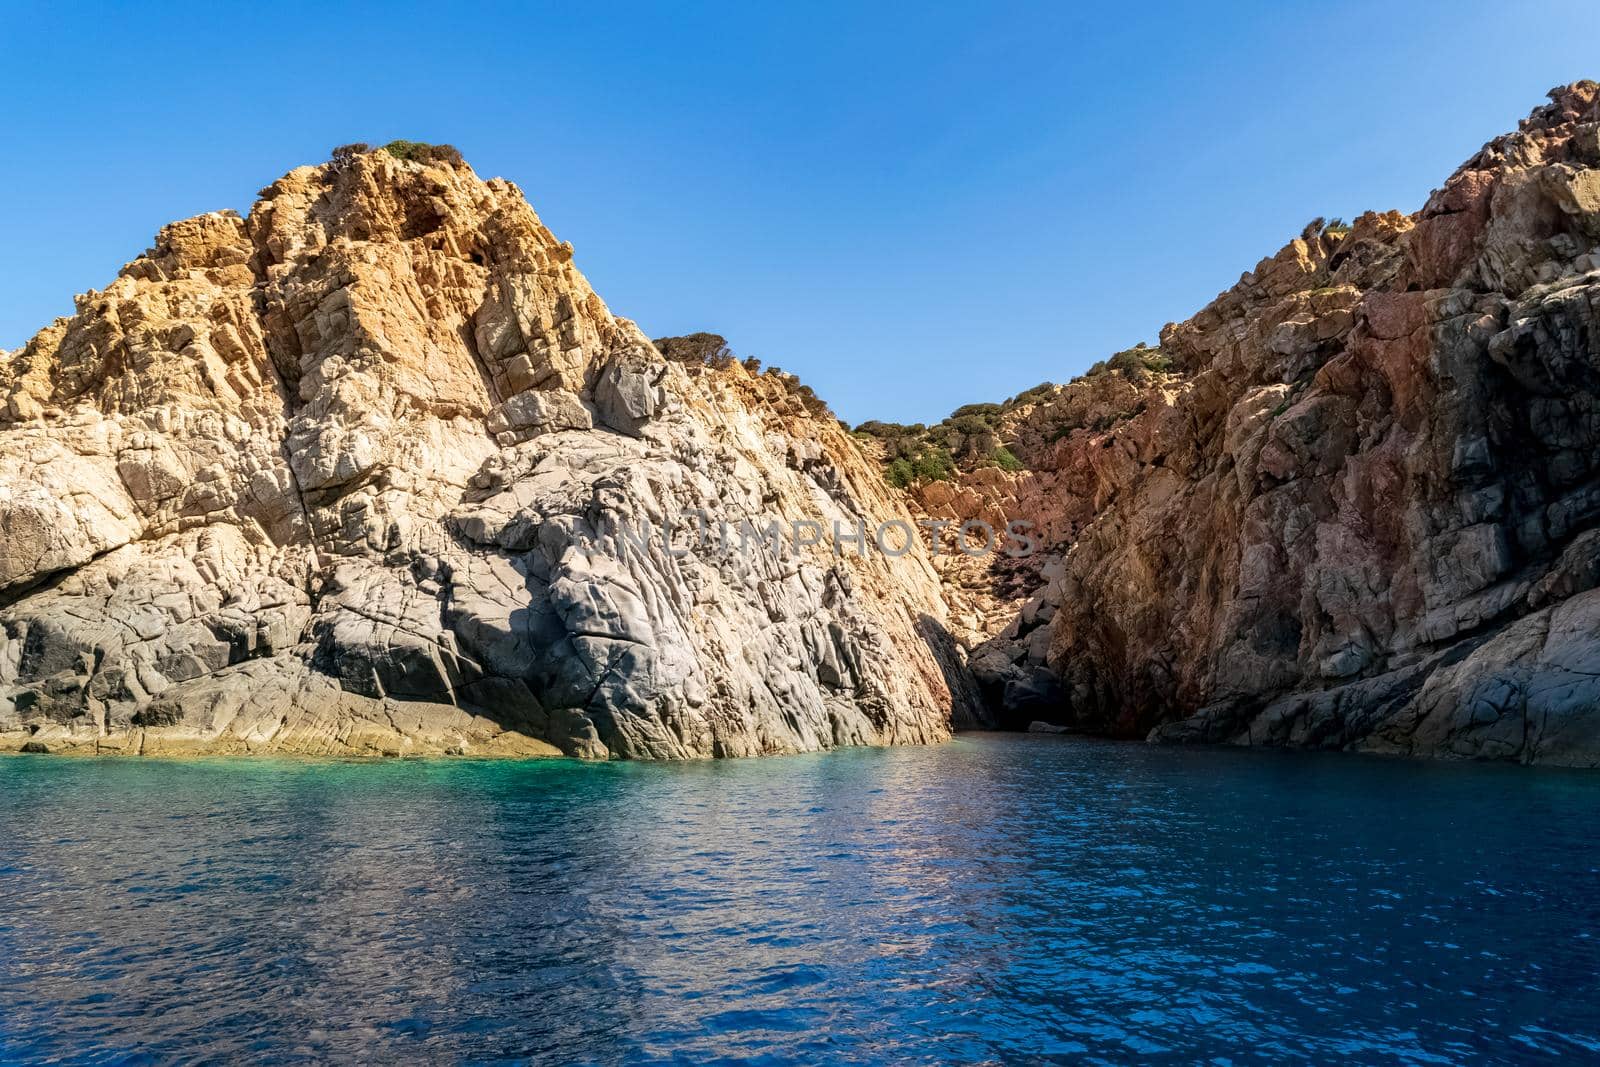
333 478
1351 503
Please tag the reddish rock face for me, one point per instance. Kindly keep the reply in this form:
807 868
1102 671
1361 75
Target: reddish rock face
326 478
1342 520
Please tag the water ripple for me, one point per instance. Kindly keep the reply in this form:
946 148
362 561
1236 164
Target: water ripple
999 899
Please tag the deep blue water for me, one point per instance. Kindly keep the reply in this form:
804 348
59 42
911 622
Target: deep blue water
1001 898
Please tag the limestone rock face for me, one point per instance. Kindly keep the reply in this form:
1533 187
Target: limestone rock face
1361 506
374 470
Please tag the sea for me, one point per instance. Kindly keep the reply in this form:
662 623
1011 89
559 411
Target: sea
998 899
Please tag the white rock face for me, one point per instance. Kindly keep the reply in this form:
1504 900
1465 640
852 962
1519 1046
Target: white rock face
358 473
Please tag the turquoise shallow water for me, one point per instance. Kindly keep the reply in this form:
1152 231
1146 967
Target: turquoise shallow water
1001 898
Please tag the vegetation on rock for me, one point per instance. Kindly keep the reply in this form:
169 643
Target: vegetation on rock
1005 459
422 152
373 561
710 349
697 350
1137 363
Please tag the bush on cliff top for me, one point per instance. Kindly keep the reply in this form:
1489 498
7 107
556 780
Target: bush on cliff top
977 411
712 350
422 152
1138 363
346 152
1027 396
411 151
708 348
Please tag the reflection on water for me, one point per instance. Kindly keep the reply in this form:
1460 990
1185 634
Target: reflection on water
998 898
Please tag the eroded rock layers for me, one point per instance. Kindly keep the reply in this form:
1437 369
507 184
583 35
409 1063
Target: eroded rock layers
1355 502
348 475
353 474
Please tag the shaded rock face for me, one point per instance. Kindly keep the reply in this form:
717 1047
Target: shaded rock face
1363 509
354 474
1002 602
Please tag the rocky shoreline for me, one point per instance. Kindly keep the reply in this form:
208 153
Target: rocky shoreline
341 476
1354 503
333 478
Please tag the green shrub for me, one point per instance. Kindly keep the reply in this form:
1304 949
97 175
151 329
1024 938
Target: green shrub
708 348
1038 392
1005 459
933 465
875 428
1157 360
914 452
970 425
813 403
1129 363
347 152
1137 362
914 461
422 152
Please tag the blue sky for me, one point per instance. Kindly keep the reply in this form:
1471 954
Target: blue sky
911 206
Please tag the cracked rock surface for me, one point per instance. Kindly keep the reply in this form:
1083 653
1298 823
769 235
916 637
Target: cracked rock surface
1358 503
356 474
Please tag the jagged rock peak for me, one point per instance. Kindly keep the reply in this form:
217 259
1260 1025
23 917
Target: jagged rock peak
342 475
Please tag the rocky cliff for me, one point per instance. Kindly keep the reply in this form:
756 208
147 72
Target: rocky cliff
1354 502
357 473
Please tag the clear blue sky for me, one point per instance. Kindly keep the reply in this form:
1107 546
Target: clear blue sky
911 206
